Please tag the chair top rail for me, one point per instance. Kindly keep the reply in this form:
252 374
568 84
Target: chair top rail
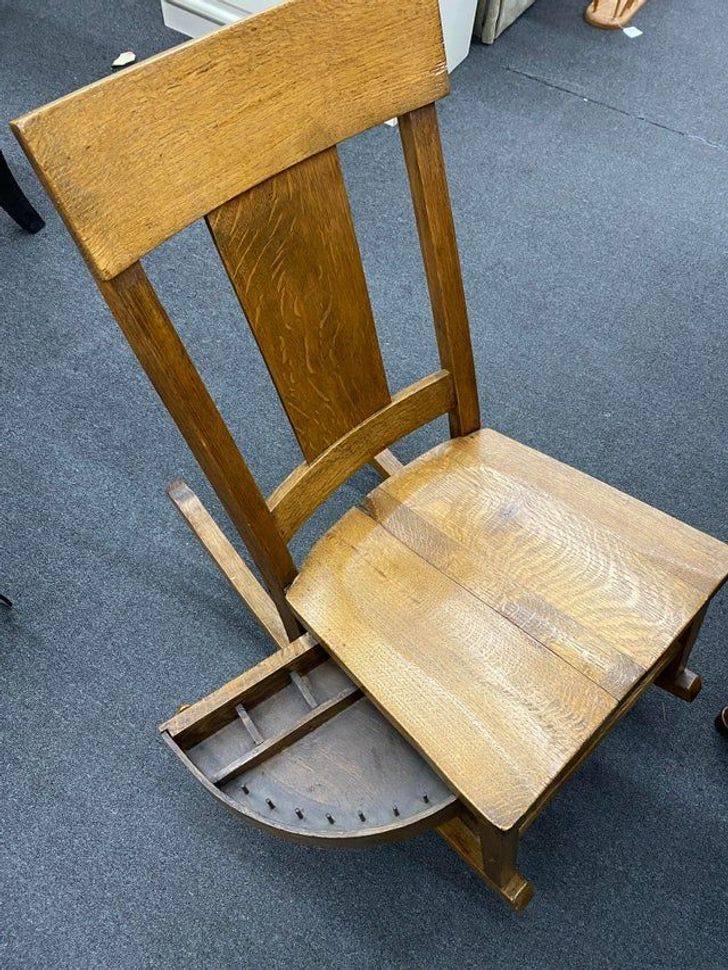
132 159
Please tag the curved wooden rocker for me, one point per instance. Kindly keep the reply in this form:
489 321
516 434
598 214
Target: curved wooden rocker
453 649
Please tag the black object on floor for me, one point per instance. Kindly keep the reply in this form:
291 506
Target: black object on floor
13 200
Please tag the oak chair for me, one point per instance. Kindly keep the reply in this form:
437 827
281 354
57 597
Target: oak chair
451 650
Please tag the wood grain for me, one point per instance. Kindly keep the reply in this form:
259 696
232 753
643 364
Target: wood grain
289 248
676 678
690 555
353 765
249 725
301 493
495 578
502 610
499 864
624 706
517 892
465 842
601 579
134 158
431 198
161 353
496 712
228 560
505 611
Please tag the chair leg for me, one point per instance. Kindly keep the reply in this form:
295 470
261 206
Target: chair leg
468 838
14 201
677 678
500 850
386 464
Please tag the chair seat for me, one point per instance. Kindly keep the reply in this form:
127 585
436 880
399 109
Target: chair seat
503 610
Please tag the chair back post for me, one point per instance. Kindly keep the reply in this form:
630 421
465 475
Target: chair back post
422 148
158 348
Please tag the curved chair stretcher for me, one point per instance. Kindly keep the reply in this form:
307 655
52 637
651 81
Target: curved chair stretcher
454 648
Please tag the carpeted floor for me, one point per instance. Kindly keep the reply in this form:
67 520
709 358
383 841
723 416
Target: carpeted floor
589 175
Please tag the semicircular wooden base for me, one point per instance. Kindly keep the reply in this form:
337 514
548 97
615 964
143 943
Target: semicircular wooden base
294 747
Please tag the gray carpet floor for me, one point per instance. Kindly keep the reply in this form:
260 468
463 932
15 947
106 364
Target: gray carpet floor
589 175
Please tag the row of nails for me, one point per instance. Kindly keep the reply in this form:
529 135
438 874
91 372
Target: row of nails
330 818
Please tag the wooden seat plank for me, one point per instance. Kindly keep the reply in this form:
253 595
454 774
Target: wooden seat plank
689 554
494 711
548 548
597 658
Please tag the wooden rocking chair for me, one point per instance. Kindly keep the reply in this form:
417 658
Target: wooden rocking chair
453 649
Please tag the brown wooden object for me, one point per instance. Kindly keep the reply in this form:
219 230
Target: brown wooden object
611 14
452 650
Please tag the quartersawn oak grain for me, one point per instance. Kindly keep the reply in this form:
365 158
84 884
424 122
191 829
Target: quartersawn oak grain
492 709
602 579
420 136
161 353
502 610
228 560
313 773
291 253
483 543
214 710
386 464
185 131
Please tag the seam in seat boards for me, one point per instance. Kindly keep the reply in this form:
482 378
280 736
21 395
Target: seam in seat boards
439 539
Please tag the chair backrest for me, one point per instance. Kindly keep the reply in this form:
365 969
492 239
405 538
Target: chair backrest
241 128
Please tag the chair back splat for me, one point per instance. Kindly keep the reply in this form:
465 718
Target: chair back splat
241 128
